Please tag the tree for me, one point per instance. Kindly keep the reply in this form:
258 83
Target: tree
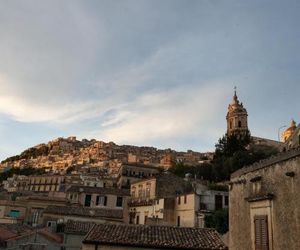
219 220
233 153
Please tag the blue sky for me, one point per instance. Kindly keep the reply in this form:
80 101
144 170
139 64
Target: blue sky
157 73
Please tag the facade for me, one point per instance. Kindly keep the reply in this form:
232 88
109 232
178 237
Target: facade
46 183
237 118
132 173
56 216
264 204
27 210
121 237
154 198
16 183
184 205
97 197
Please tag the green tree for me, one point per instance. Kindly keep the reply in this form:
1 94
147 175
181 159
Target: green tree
233 153
219 220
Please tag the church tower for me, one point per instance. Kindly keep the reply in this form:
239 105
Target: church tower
237 118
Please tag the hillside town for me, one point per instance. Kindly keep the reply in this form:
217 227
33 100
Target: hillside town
93 194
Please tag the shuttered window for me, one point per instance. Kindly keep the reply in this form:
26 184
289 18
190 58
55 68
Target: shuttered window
261 232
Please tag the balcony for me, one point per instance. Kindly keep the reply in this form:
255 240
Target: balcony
136 202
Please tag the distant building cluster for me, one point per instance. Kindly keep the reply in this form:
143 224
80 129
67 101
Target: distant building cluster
63 153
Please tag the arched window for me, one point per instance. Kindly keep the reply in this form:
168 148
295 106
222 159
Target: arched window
240 124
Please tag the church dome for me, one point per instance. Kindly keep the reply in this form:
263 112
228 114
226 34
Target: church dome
289 131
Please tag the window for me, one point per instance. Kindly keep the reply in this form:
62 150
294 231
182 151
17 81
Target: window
185 199
218 202
146 217
133 194
148 192
140 193
178 221
119 202
226 200
100 200
14 213
105 201
261 232
240 124
87 201
179 200
137 219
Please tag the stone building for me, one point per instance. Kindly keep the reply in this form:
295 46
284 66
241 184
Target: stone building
133 173
154 198
140 237
237 118
27 209
55 216
97 197
46 183
264 204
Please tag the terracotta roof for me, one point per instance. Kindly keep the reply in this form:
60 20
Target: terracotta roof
155 237
78 227
42 198
85 212
12 231
99 190
51 235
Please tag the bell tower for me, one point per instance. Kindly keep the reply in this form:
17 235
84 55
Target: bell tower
237 118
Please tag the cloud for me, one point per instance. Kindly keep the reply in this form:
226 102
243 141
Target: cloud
161 116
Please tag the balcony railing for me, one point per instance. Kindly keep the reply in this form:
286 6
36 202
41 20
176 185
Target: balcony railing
135 202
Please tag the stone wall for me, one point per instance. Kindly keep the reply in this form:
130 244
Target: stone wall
269 188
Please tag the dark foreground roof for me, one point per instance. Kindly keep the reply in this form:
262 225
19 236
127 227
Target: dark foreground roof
99 190
85 212
78 227
155 237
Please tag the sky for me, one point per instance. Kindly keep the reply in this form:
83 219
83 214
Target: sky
155 73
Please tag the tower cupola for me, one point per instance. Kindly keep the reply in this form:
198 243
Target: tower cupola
237 118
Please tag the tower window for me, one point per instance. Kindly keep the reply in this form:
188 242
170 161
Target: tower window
230 125
240 124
